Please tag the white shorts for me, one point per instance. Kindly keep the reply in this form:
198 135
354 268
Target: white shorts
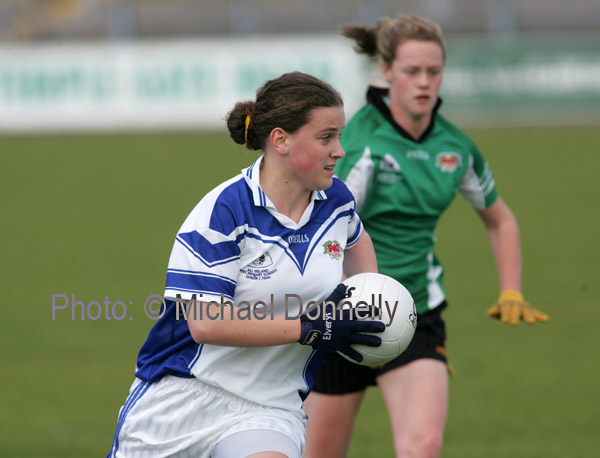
185 417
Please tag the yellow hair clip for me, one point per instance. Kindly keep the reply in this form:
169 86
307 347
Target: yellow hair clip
246 131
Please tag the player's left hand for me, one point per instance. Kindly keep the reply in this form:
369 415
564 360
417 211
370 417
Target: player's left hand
340 330
511 308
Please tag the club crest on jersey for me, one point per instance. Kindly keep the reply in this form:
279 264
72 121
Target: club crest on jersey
263 261
448 161
333 249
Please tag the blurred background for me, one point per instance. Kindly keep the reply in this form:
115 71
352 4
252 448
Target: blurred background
107 64
111 130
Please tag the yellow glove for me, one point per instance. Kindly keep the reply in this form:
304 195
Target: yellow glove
511 307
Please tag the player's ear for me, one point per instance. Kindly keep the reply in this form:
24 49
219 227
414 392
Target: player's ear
386 72
279 141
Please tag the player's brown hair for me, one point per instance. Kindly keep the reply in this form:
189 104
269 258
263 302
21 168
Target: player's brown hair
284 102
384 38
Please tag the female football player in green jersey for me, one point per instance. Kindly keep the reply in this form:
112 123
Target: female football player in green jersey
405 163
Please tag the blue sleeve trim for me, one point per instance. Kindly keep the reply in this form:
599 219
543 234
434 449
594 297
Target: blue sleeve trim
210 254
200 282
353 240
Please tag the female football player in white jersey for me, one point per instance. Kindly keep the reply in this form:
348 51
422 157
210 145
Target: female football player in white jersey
224 372
405 163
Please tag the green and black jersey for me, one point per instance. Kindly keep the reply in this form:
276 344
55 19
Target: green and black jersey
402 185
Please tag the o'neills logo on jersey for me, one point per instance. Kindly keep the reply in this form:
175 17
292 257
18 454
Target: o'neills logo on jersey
333 249
448 161
298 238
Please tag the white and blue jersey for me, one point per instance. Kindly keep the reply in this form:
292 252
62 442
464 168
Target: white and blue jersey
235 247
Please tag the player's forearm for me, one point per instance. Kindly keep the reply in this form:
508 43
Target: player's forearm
221 327
506 247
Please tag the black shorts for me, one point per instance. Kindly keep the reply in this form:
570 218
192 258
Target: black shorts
340 376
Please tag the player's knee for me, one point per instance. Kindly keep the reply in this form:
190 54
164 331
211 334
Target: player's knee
325 446
432 445
427 445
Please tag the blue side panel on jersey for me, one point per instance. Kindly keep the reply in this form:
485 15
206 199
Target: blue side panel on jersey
200 283
311 370
169 348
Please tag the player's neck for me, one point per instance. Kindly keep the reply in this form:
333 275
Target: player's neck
414 125
289 198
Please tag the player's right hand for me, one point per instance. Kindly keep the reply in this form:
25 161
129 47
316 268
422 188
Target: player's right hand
511 308
339 330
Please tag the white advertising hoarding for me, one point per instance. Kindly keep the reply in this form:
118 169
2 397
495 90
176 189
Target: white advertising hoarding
180 84
192 84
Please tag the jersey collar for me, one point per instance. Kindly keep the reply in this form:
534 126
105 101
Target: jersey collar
379 96
252 176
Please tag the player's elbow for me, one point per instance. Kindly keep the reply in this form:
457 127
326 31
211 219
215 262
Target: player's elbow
209 324
200 331
200 322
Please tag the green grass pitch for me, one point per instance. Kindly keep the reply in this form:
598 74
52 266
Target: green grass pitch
95 216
